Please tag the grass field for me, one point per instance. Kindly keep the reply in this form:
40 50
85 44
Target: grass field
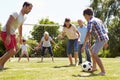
34 70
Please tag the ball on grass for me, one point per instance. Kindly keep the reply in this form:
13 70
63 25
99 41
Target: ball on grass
86 66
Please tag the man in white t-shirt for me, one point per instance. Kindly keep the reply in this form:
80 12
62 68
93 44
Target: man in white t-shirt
15 21
45 43
24 50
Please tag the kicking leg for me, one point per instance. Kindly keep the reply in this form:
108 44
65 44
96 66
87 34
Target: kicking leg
6 56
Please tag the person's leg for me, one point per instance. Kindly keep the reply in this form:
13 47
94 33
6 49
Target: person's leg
70 59
79 53
99 62
51 53
69 50
76 51
21 56
76 58
43 53
6 56
27 55
94 67
88 57
95 51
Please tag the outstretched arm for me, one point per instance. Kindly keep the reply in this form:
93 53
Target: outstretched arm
61 35
78 34
86 40
9 22
20 34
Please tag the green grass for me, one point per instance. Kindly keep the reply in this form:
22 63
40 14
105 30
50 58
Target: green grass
58 70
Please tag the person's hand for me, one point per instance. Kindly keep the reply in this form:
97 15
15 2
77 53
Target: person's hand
59 36
82 49
57 46
20 40
106 45
8 40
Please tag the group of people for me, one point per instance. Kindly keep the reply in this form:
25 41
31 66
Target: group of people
78 39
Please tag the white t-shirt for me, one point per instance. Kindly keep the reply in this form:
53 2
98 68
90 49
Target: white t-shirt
24 47
46 43
71 32
19 20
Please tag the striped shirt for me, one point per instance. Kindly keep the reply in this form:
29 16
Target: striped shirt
96 27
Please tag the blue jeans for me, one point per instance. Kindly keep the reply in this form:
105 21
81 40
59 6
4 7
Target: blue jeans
88 57
49 49
72 44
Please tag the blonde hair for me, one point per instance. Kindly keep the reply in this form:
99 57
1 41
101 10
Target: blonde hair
46 33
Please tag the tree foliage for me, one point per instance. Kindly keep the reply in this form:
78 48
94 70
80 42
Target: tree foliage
53 29
38 30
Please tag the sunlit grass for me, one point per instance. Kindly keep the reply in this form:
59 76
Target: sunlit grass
34 70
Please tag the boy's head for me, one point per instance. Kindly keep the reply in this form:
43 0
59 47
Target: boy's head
24 41
27 7
88 13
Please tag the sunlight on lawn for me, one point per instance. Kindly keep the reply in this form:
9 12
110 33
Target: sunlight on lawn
34 70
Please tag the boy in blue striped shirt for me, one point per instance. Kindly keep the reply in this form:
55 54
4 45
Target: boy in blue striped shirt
96 29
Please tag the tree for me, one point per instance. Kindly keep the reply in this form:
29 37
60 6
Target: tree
53 29
106 9
109 12
43 26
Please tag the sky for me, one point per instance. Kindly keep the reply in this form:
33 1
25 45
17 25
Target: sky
55 10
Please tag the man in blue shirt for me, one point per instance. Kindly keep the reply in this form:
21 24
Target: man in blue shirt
83 30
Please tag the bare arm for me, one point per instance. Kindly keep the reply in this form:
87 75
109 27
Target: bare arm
20 33
78 34
53 42
86 40
40 44
9 22
61 35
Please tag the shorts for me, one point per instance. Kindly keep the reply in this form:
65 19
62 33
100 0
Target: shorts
97 46
13 42
72 45
49 49
24 52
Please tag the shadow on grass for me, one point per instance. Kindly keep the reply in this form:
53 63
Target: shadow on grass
87 75
62 66
4 69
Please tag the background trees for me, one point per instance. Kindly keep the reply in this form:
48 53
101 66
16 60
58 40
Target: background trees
38 30
53 29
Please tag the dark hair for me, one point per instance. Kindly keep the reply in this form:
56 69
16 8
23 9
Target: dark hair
24 40
26 4
67 20
88 11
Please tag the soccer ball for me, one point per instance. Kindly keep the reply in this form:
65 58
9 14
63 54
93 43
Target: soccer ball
86 66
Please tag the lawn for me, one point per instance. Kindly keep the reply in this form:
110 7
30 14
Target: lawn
34 70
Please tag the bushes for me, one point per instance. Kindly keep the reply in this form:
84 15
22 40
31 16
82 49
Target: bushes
2 48
61 51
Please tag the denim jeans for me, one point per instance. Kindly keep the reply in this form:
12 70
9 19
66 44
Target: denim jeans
72 45
88 57
49 49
